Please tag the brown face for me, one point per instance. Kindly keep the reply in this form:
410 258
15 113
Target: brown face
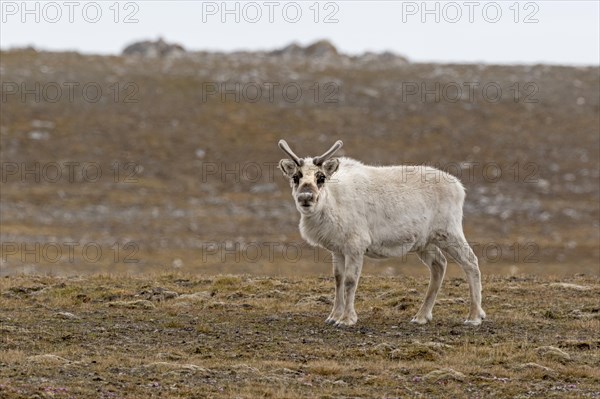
308 180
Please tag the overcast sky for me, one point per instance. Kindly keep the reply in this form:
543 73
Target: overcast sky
507 32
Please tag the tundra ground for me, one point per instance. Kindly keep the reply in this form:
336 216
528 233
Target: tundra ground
173 171
188 336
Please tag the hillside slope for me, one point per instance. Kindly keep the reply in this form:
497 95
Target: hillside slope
186 150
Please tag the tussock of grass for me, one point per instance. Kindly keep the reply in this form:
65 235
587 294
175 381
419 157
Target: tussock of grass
324 368
226 282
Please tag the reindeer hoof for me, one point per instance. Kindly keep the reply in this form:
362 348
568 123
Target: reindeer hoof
342 324
418 319
346 321
475 317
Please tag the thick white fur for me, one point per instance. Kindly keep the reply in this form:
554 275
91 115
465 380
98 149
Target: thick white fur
385 212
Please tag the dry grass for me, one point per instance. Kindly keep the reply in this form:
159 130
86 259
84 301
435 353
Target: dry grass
242 336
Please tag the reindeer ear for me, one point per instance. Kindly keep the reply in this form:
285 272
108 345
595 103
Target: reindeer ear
331 166
288 167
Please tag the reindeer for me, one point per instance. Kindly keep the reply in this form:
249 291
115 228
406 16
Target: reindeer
355 210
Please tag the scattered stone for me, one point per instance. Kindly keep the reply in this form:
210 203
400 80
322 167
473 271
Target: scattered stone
196 296
570 286
381 349
451 300
536 366
219 305
289 371
138 304
245 369
168 366
263 188
67 315
47 358
170 294
200 153
553 353
169 356
368 92
38 124
444 375
158 294
439 346
38 135
315 299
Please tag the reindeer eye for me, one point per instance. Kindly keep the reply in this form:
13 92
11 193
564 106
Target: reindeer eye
296 178
320 179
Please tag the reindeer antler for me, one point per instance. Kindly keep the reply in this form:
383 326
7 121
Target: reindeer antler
319 160
286 148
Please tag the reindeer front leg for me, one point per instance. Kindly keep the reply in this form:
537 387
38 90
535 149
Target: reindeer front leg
353 264
339 267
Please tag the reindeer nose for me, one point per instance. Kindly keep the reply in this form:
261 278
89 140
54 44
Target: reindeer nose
305 198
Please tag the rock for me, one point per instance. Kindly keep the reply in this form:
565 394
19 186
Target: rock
157 49
319 49
169 356
571 286
553 353
381 349
375 60
290 50
444 375
451 300
196 296
158 294
168 366
368 92
170 294
263 188
315 299
38 124
139 304
200 153
47 358
38 135
67 315
543 185
534 366
219 305
243 368
437 346
287 371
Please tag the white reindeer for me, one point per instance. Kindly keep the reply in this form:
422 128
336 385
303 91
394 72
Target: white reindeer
355 210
